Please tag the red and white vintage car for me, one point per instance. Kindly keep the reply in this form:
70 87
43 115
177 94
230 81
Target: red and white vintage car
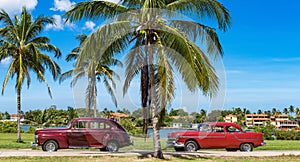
215 135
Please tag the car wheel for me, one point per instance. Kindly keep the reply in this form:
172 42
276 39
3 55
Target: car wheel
247 147
50 146
191 146
179 148
231 149
112 146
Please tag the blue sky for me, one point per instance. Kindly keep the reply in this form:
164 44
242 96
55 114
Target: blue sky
261 59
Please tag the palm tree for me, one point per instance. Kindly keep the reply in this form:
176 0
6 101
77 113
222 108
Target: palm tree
259 111
291 110
274 111
20 41
100 71
285 111
151 35
297 111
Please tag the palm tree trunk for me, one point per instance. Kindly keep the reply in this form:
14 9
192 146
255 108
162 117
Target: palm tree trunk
144 95
18 117
155 120
95 100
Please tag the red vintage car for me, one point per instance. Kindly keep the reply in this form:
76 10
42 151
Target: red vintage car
215 135
101 133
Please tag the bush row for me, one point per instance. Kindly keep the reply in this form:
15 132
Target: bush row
11 127
271 133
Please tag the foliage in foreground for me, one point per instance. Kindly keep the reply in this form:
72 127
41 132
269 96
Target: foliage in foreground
177 158
7 141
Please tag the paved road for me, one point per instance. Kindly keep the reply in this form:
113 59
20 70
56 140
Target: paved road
201 153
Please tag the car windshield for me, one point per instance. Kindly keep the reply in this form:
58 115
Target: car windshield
204 128
69 124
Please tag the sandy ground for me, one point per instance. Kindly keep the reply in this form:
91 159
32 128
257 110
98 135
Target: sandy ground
200 153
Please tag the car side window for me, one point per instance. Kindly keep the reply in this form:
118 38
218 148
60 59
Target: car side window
205 128
99 125
232 129
95 124
218 129
80 124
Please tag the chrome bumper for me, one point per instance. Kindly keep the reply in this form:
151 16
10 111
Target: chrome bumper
173 143
32 144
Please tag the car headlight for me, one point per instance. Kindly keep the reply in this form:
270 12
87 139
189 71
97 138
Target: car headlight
176 137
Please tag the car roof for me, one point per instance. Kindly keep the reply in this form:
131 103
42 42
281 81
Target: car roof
90 118
222 124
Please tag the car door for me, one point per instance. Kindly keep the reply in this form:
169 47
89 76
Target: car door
211 136
98 131
232 137
77 134
216 137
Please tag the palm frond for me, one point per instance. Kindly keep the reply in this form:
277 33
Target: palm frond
203 8
66 75
113 38
110 91
195 30
94 9
134 63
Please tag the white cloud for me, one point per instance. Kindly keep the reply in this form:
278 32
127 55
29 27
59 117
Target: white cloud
234 72
62 5
16 6
89 25
292 59
59 24
6 61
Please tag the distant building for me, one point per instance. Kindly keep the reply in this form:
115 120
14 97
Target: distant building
230 118
282 122
279 121
118 116
14 117
177 125
256 119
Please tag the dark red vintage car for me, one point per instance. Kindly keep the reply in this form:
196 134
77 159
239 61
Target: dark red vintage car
215 135
101 133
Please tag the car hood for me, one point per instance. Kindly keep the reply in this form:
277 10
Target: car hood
182 132
51 129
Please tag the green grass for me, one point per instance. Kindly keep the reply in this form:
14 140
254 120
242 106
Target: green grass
281 145
8 141
150 159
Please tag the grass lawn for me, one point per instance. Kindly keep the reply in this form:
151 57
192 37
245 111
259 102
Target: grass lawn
150 159
7 141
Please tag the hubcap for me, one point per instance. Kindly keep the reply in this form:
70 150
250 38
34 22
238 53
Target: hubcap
50 147
112 147
247 147
191 147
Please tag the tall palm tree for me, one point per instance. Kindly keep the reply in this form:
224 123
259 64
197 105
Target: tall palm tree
99 70
285 111
297 111
20 40
291 109
160 45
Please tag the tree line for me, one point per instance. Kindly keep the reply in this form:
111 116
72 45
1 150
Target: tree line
58 117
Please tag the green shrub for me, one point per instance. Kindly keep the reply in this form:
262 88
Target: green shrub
130 127
31 129
9 127
287 135
268 131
